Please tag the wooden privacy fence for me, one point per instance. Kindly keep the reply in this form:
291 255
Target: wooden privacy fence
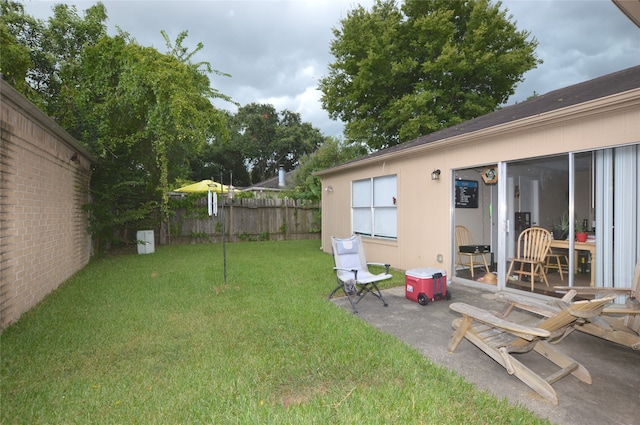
246 219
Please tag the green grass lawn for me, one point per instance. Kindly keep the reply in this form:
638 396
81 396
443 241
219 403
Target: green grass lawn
161 339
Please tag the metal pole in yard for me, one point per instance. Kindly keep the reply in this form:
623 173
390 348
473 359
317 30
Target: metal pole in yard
224 245
231 227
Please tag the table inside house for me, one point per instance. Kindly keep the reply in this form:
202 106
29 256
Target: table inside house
580 246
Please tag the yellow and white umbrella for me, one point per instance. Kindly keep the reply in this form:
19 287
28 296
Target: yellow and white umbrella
206 186
209 187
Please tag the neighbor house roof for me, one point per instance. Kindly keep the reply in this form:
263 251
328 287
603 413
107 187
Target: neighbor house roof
273 184
607 85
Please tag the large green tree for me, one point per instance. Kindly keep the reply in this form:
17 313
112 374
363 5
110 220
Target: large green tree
54 50
145 115
402 72
15 60
221 157
142 113
332 152
269 139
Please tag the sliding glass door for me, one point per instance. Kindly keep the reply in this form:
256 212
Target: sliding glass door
595 192
617 214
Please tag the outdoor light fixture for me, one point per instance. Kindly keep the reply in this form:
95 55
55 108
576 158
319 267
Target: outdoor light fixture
435 175
329 188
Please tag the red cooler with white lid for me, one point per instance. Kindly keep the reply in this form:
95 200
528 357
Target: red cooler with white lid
426 284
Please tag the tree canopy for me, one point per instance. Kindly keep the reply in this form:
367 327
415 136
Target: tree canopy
331 153
53 50
402 72
147 116
142 113
269 139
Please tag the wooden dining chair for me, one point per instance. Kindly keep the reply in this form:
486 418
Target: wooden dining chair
463 238
532 249
554 261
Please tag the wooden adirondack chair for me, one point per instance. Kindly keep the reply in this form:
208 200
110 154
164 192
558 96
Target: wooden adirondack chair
500 339
619 323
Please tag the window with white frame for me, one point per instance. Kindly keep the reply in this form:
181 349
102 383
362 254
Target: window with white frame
374 206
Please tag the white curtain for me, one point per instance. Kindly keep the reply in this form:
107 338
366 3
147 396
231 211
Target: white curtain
617 182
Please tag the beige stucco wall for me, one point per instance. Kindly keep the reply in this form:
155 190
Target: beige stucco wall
43 230
425 206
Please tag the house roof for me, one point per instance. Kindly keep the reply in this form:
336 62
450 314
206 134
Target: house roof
607 85
631 8
273 183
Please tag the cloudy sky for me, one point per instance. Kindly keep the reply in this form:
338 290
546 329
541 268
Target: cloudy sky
277 50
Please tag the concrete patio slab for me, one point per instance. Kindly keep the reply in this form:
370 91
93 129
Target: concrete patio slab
613 398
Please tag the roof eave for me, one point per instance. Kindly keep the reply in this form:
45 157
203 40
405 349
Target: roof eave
596 106
631 8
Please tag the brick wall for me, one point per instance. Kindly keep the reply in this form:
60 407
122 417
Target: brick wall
44 181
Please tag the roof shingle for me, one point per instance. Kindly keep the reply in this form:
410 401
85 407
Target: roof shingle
610 84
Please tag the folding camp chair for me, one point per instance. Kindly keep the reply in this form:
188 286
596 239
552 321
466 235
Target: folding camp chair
500 339
352 271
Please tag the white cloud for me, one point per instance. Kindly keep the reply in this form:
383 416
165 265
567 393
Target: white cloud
276 51
578 41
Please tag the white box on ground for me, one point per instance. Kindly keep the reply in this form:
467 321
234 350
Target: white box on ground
146 244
